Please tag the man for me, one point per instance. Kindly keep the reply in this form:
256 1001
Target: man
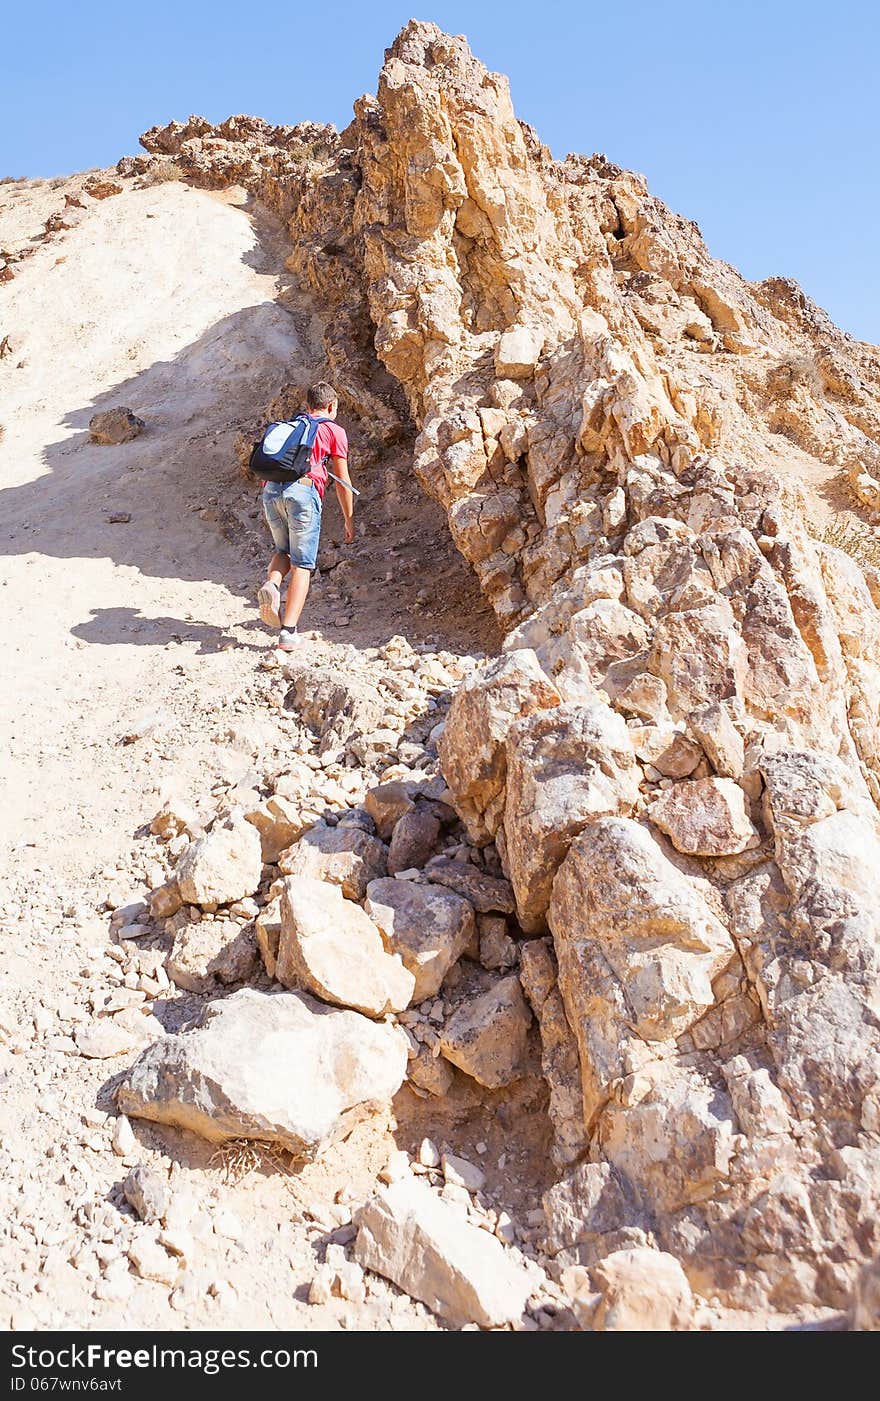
293 514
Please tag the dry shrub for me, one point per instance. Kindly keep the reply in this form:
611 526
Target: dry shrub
794 370
860 542
239 1157
159 173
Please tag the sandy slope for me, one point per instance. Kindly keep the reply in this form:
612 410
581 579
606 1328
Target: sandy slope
119 310
134 670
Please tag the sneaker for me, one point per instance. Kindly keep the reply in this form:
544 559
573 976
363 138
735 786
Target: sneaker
269 599
289 640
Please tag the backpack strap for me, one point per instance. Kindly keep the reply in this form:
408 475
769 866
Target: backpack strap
315 424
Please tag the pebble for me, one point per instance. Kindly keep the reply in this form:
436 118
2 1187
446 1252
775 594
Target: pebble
147 1192
124 1141
462 1173
429 1154
151 1261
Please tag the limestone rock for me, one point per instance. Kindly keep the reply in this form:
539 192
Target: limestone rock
638 948
472 748
486 1036
866 1300
165 900
498 951
429 928
107 1038
706 817
519 351
115 426
267 927
559 1051
713 728
386 804
211 953
147 1192
486 893
276 1067
338 706
331 948
585 1210
279 821
642 1291
150 1261
565 767
344 856
431 1073
669 751
223 866
430 1251
413 840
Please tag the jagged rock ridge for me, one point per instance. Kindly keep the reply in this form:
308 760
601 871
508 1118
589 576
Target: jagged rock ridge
678 757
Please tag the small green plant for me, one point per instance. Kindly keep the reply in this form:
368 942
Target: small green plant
858 541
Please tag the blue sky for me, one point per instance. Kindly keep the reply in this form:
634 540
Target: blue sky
758 119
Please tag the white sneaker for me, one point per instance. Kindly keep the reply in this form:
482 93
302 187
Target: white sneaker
269 599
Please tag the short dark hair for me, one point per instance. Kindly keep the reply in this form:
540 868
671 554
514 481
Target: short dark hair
321 395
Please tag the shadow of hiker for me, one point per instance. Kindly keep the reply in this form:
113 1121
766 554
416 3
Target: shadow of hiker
129 627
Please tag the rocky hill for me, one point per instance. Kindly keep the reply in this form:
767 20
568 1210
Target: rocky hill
612 881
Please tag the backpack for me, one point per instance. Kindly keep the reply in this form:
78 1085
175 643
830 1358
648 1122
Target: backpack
284 452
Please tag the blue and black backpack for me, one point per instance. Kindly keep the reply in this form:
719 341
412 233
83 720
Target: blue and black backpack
284 452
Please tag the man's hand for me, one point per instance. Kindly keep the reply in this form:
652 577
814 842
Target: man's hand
349 531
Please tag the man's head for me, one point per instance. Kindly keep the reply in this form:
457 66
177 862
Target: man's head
321 399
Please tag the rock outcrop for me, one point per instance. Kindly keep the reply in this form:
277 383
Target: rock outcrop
677 757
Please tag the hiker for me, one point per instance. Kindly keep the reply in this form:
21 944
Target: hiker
293 507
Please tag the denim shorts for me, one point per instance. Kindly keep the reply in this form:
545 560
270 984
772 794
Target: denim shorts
293 514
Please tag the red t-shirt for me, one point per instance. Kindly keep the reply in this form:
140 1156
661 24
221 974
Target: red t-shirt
330 441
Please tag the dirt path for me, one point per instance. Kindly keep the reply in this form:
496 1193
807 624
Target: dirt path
137 670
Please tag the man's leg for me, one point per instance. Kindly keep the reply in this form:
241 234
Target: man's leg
279 564
303 506
297 590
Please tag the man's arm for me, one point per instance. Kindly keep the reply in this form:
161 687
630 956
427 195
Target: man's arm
344 494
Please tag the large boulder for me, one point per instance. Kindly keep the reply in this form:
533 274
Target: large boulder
486 1036
344 856
565 767
428 1248
331 948
276 1067
224 866
429 928
472 748
638 948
